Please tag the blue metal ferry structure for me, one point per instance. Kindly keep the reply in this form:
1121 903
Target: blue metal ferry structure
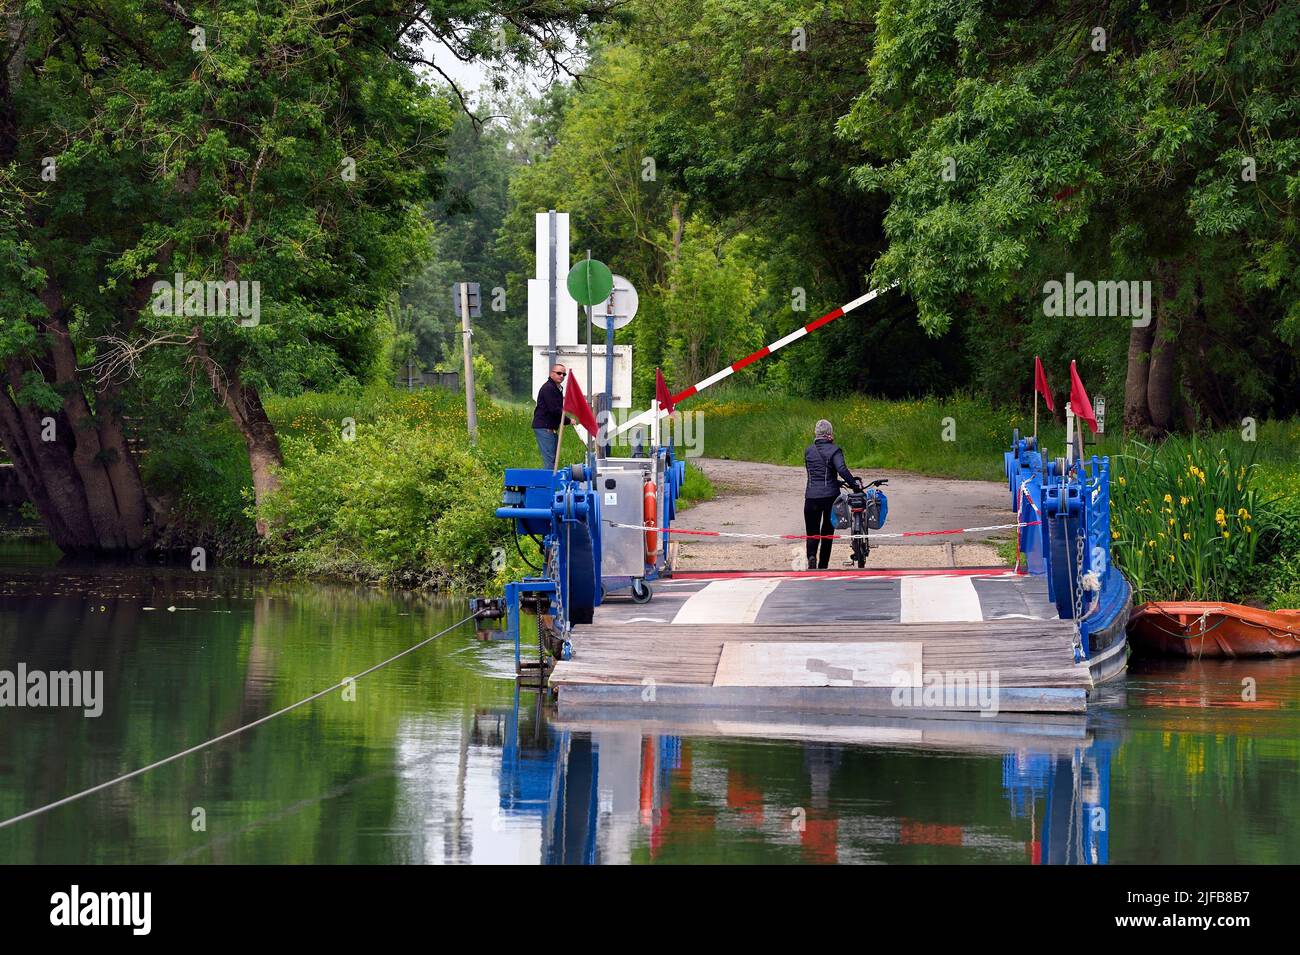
615 627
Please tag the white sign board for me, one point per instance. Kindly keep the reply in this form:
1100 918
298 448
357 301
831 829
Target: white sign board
539 316
620 306
575 358
539 305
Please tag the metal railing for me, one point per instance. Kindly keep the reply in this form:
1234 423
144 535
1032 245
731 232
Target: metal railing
1071 545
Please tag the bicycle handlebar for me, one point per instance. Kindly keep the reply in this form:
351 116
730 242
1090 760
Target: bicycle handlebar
858 485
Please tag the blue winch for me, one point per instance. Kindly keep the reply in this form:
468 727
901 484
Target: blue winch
598 526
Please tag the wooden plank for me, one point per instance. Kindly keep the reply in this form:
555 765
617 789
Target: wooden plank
816 664
691 662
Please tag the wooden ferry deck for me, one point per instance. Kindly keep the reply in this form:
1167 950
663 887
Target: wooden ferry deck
835 641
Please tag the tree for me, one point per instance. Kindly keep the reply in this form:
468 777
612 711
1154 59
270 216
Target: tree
62 433
745 98
708 305
466 218
278 152
596 171
1110 145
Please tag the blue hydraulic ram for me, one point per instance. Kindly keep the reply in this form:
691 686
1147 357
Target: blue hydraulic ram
563 512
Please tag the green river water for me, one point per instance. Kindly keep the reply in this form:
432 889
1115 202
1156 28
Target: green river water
440 759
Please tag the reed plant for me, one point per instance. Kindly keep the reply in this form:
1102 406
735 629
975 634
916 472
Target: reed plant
1187 519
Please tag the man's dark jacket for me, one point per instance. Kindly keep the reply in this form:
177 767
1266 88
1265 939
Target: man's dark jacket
550 406
823 459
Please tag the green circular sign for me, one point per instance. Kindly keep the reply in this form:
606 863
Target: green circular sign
590 282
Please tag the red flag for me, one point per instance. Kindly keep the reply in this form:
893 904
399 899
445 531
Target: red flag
1079 402
664 396
575 403
1040 383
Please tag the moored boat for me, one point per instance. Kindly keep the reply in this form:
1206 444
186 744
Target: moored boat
1192 628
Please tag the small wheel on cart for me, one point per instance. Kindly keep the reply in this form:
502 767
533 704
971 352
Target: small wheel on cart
641 592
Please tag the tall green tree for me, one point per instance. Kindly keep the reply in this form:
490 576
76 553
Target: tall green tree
482 156
745 96
287 143
597 171
1138 141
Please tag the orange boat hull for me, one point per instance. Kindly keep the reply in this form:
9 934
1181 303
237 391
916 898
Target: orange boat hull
1198 629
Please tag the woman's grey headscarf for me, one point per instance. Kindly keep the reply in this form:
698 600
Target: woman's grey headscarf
823 429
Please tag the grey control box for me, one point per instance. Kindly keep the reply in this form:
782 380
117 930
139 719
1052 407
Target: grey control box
621 492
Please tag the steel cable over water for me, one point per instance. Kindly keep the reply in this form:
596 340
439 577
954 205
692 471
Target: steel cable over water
235 732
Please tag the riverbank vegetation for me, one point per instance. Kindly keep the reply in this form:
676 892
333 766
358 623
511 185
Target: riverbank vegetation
747 164
1200 519
378 484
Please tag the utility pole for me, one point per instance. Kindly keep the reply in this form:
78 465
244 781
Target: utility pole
471 411
591 390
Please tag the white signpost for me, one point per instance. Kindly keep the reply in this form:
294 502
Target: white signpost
548 285
613 313
544 285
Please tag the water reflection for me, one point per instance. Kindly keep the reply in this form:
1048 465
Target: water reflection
1074 793
607 791
442 759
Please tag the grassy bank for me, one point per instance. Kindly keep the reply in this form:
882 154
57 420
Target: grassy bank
958 437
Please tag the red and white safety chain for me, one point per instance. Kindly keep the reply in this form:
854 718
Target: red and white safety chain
819 537
1023 495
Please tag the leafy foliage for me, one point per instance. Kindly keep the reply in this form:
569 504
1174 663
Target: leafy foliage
397 500
1187 520
1113 144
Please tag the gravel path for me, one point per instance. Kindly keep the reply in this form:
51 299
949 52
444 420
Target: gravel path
768 499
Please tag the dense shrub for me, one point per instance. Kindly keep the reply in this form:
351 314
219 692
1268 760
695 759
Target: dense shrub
1280 579
396 502
197 470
